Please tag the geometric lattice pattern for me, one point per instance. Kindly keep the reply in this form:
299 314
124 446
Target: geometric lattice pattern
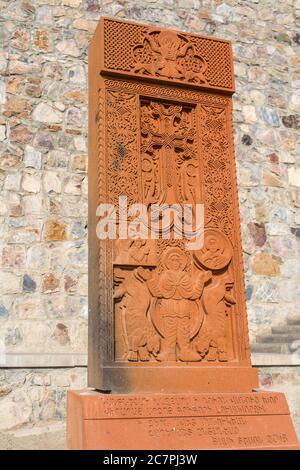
120 38
218 57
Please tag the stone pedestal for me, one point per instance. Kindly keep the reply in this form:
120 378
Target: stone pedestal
256 420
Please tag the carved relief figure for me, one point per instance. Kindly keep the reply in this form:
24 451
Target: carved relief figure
133 295
135 252
215 255
175 313
216 252
140 250
178 310
170 55
217 301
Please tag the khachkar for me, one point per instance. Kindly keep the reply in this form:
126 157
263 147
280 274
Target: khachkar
169 355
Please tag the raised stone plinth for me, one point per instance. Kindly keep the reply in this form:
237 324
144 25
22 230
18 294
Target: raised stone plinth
256 420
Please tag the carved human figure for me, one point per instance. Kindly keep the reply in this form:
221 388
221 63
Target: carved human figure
216 252
217 301
175 312
134 297
139 250
148 179
134 252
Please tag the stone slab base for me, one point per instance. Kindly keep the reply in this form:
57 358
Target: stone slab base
136 378
256 420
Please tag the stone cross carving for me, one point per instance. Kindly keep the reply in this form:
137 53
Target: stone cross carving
169 161
164 318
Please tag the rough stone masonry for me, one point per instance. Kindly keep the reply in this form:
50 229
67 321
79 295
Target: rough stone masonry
43 205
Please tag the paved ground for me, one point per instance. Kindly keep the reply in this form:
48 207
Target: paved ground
52 437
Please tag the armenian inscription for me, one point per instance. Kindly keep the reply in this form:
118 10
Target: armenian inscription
225 432
206 421
205 405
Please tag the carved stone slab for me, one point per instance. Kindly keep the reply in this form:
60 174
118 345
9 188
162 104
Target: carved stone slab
164 318
203 421
146 52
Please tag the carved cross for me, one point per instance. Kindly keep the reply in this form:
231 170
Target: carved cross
167 136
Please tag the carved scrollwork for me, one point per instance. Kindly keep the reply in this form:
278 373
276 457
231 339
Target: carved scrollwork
121 130
138 50
171 304
169 166
169 55
218 195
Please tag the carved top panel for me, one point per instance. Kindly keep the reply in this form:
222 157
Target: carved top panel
166 55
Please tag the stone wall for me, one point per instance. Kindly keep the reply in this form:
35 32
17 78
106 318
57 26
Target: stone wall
43 204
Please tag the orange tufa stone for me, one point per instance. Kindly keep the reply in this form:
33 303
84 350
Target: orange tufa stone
168 336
